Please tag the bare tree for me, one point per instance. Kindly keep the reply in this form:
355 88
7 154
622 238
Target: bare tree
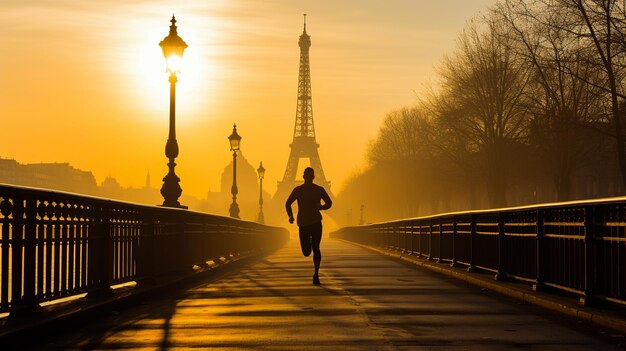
483 85
561 104
457 155
400 137
599 24
402 147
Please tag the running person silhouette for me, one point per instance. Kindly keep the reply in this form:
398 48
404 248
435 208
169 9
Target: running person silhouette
309 196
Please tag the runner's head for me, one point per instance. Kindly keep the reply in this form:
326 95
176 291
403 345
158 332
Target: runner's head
309 174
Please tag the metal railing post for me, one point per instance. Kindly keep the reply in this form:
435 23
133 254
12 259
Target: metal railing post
419 241
430 239
146 271
101 254
501 274
396 237
589 266
472 262
412 239
30 249
182 242
403 236
454 235
406 245
6 209
440 258
16 255
540 250
25 240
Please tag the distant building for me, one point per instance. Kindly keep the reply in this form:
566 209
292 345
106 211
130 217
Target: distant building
58 176
10 171
247 185
64 177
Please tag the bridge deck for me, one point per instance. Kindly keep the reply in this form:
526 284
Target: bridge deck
366 302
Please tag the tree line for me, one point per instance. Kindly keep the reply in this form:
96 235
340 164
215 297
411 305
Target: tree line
528 108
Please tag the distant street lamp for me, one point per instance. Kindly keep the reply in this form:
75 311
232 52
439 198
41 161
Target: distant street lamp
234 140
261 172
362 221
173 47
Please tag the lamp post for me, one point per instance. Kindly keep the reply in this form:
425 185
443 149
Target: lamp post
261 172
234 140
173 47
362 221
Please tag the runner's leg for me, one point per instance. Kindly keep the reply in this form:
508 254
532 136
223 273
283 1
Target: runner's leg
316 238
305 240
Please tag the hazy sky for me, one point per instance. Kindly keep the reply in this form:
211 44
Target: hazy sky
84 81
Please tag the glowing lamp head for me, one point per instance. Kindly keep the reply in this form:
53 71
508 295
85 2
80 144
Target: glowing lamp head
234 139
173 48
261 171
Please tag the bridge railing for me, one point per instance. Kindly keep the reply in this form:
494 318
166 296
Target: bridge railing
55 244
578 247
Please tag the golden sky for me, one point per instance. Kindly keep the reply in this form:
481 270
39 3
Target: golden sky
84 81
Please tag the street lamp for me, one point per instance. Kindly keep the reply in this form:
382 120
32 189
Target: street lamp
261 172
362 221
234 140
173 47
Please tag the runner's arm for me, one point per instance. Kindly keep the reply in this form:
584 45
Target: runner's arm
327 201
290 201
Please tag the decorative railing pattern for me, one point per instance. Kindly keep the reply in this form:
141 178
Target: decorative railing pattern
55 244
578 247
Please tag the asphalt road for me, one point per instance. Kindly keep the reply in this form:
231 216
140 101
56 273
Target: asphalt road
366 302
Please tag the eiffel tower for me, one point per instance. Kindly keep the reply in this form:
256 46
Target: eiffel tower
304 145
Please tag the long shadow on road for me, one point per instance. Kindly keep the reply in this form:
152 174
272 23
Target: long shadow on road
366 302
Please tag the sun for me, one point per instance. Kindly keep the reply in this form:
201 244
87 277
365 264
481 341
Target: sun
148 75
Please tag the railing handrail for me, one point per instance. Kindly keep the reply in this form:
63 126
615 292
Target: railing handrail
5 186
573 203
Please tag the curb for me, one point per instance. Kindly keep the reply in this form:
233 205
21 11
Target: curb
582 313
